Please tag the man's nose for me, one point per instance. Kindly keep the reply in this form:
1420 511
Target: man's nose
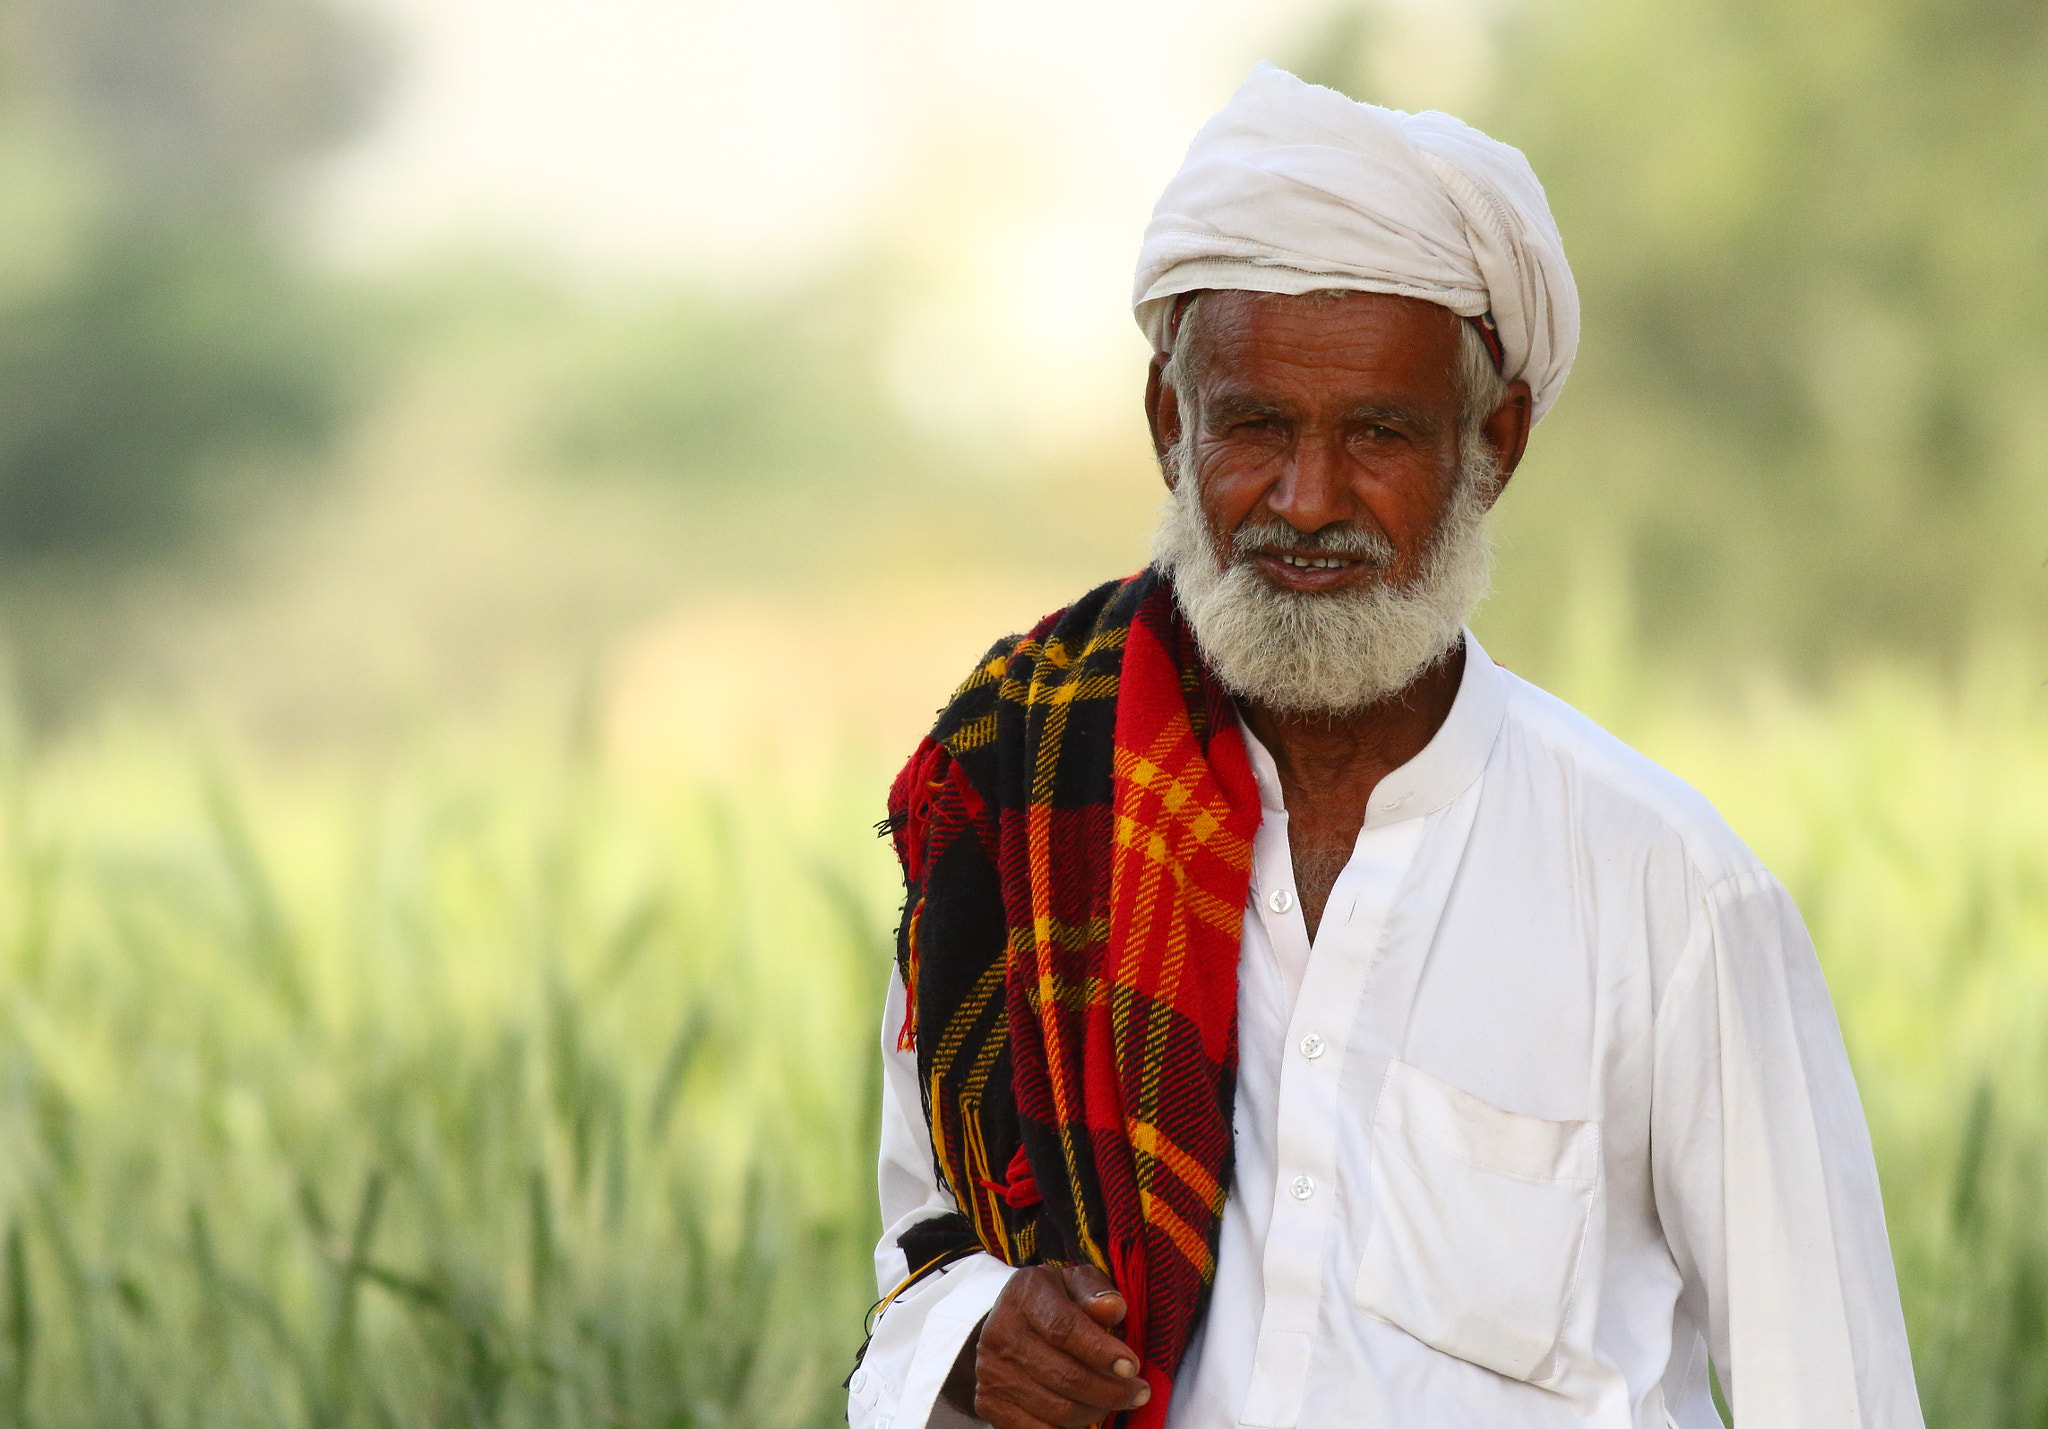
1313 490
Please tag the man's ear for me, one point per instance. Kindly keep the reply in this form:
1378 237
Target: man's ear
1507 432
1162 413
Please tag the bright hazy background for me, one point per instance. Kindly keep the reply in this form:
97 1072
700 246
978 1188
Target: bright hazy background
435 354
488 489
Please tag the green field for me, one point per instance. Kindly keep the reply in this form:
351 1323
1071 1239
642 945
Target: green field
505 1085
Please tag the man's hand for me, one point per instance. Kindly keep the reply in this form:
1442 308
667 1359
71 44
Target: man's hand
1045 1358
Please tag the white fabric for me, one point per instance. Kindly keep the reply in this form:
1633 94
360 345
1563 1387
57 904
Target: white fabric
1292 187
1580 1112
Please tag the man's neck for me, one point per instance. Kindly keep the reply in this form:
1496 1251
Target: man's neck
1329 766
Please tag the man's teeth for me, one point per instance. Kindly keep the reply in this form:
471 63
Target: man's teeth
1314 563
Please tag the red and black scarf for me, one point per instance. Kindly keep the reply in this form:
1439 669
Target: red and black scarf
1076 839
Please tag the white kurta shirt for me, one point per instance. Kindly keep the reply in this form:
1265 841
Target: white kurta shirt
1553 1107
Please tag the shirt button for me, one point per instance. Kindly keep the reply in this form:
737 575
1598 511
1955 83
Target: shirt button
1279 900
1302 1187
860 1381
1313 1046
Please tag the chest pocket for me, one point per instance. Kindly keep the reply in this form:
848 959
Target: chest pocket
1479 1227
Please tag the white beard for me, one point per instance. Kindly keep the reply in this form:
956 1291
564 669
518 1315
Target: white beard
1332 653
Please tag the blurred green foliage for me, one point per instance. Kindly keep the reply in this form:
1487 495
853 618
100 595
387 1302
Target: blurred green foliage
164 356
131 392
731 395
1810 413
509 1094
154 329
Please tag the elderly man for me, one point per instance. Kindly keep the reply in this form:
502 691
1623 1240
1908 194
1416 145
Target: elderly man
1300 1020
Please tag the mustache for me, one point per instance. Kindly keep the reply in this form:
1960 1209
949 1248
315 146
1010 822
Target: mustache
1358 542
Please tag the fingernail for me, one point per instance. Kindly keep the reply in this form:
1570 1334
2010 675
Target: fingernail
1124 1369
1144 1395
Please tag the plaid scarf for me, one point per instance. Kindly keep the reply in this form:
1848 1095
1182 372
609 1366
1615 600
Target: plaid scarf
1076 839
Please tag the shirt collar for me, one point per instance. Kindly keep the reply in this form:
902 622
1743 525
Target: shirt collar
1444 769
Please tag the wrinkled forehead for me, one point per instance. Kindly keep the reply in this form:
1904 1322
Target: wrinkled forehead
1347 340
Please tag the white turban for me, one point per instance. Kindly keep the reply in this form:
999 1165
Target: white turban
1293 188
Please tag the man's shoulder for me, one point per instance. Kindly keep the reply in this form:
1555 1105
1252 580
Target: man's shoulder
1635 797
1067 626
1063 632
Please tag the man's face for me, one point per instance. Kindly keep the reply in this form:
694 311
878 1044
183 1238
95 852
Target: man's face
1324 411
1326 534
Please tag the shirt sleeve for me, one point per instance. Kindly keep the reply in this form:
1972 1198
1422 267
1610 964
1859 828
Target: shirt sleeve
1765 1180
920 1332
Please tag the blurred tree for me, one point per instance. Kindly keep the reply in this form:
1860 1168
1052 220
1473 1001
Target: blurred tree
1807 417
200 108
128 392
158 344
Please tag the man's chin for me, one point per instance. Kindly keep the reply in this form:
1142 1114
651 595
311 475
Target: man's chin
1325 653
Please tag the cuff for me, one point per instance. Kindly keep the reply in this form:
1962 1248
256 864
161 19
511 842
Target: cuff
915 1344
